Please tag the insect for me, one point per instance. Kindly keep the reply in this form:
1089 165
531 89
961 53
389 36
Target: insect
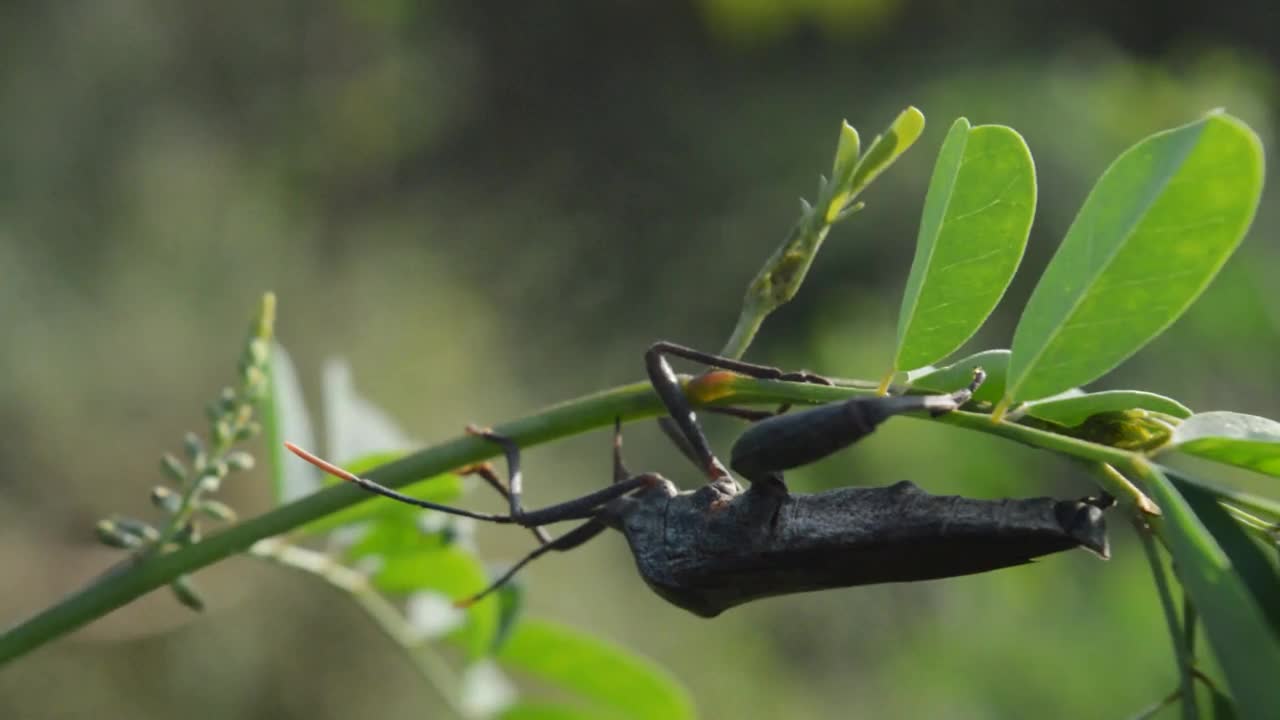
719 546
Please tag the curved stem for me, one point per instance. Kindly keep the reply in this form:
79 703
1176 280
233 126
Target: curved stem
628 402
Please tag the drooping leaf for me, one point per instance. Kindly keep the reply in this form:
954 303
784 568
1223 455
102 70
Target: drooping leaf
960 373
1246 441
1243 641
1256 561
977 216
356 427
285 417
609 677
1151 235
456 574
1267 508
1070 411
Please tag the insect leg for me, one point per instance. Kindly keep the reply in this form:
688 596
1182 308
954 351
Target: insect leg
568 541
486 472
577 509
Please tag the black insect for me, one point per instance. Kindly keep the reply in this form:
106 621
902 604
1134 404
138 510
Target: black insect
719 546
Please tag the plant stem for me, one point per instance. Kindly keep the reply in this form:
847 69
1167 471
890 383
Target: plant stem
386 615
1185 675
628 402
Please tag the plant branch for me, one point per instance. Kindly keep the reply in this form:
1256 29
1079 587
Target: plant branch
388 618
629 402
1180 652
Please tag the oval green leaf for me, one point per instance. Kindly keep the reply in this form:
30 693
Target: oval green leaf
454 573
1246 441
960 373
1151 235
1073 410
977 216
604 674
1243 641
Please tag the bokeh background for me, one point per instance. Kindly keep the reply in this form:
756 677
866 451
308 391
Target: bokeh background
489 207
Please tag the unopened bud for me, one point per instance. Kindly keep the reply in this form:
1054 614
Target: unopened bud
111 535
217 510
192 444
186 593
173 468
239 460
165 498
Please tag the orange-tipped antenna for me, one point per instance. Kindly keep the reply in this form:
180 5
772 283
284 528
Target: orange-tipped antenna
375 488
323 464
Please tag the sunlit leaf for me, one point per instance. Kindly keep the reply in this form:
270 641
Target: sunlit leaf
611 678
1243 640
977 216
1246 441
285 417
454 573
1151 235
1070 411
883 151
960 373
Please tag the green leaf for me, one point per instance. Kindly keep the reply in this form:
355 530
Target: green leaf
1073 410
544 711
1267 508
1151 235
977 216
1242 638
439 489
960 373
847 150
1257 562
882 153
606 675
1246 441
454 573
285 417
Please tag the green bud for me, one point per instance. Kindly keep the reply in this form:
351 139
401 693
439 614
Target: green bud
248 430
258 350
173 468
165 498
192 444
111 535
139 529
217 510
186 593
227 399
211 482
239 460
222 432
188 534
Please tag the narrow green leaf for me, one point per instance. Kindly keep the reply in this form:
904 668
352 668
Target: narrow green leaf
285 417
1246 441
960 373
1151 235
454 573
847 150
886 148
977 216
545 711
627 685
1242 638
1257 563
1267 508
439 489
1070 411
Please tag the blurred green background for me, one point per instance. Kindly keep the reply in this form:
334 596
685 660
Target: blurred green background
488 207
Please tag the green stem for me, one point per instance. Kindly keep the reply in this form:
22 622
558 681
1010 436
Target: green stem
1185 675
386 615
577 416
